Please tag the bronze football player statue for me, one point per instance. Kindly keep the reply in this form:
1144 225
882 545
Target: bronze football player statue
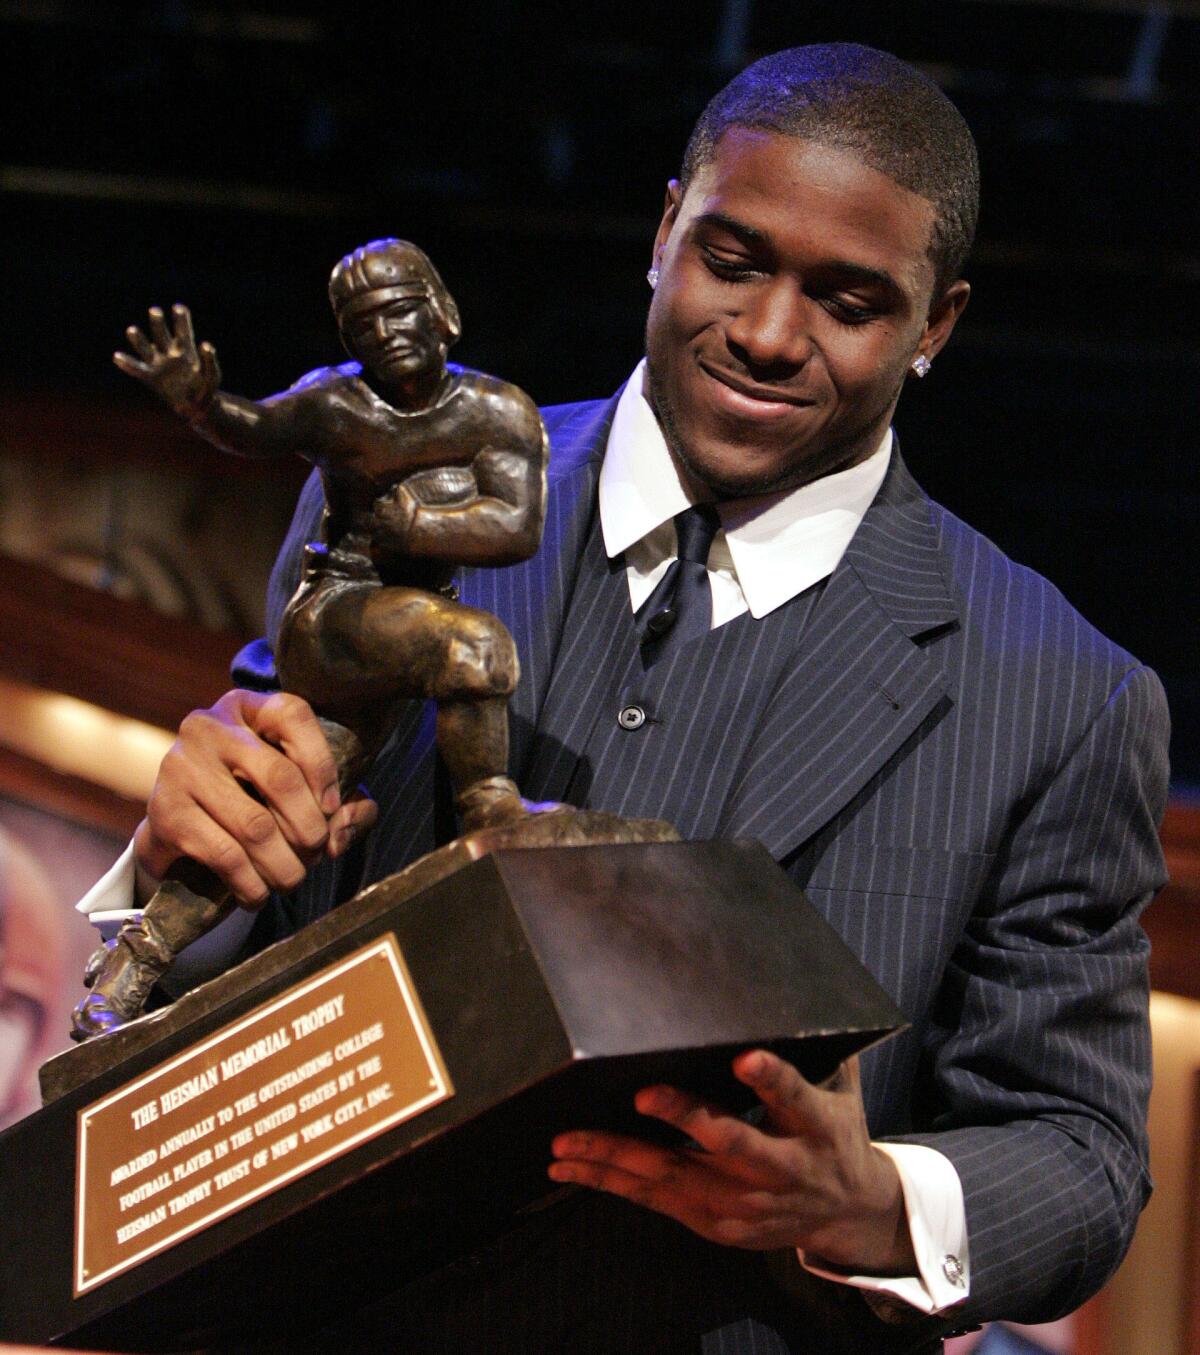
425 466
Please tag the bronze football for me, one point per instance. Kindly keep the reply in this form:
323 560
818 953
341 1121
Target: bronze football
443 484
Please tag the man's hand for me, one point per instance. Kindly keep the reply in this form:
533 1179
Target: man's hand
200 806
809 1177
185 376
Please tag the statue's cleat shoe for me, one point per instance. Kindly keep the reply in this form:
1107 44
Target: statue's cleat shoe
490 803
93 1016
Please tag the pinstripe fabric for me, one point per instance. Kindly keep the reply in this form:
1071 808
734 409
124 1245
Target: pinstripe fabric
966 778
701 697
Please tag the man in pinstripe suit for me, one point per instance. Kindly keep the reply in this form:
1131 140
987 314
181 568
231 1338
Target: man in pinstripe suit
964 776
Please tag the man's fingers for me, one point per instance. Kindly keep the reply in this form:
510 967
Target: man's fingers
262 753
687 1186
639 1171
354 817
807 1174
289 723
710 1208
202 810
158 330
236 793
205 841
712 1127
742 1151
250 790
631 1155
793 1104
608 1177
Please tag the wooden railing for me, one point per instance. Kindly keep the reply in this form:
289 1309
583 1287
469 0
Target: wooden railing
117 654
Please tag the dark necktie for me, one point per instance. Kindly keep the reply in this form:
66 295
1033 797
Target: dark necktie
680 608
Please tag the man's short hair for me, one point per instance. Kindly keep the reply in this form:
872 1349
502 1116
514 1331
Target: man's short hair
859 99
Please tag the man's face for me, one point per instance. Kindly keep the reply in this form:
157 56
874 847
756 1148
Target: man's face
395 337
795 289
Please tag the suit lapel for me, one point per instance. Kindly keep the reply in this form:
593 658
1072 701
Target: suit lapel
860 684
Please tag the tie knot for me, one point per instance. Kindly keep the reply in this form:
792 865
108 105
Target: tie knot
695 528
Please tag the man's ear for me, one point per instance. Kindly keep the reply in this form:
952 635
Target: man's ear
943 316
670 214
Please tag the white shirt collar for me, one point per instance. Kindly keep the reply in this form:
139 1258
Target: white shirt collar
779 544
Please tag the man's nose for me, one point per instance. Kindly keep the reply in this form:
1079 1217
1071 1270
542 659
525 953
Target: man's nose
771 327
381 327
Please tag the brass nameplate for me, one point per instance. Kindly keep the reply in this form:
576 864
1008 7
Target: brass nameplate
311 1074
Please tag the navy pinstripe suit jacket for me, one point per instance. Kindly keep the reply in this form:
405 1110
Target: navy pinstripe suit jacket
966 779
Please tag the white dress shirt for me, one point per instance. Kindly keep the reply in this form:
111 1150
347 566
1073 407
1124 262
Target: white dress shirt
768 550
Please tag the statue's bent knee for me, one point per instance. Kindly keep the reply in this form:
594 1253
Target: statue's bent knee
481 659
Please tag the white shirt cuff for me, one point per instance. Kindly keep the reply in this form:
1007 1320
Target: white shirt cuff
111 902
937 1223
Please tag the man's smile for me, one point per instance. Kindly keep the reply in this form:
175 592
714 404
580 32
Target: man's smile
748 399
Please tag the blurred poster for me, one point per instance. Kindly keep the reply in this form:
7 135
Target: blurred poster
46 864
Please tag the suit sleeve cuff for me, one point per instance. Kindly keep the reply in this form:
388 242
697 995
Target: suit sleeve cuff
937 1222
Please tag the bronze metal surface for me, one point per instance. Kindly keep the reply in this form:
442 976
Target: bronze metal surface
425 465
328 1064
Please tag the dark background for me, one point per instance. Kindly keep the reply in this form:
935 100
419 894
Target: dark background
227 155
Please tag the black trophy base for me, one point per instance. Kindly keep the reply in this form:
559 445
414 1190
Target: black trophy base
556 982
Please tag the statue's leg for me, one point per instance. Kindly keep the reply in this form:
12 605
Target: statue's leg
193 900
352 649
478 674
472 738
325 655
465 659
122 972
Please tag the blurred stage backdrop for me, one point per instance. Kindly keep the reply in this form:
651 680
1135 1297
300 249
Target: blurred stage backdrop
226 155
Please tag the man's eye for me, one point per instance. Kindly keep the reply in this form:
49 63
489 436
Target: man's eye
848 311
731 269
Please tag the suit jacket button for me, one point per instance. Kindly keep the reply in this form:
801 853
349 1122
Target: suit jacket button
631 717
952 1269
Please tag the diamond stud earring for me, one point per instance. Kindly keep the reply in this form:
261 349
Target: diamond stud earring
652 276
921 365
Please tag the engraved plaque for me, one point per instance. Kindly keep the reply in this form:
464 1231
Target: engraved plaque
302 1079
